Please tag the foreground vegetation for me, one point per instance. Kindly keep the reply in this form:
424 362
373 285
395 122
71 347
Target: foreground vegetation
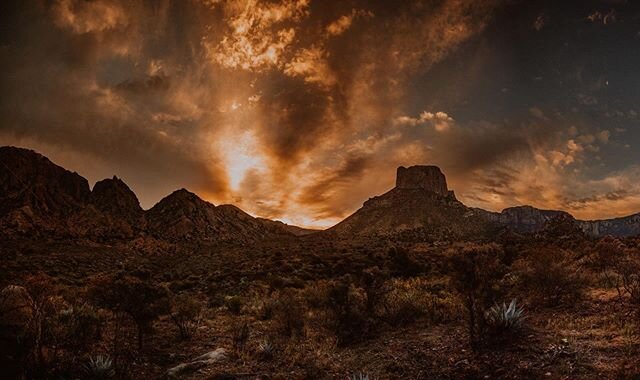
553 305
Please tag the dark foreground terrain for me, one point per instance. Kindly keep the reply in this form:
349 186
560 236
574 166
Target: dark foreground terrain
312 308
414 285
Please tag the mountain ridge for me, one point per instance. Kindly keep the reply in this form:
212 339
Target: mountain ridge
39 197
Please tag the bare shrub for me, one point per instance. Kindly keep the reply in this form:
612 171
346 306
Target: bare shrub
186 315
138 298
346 313
551 275
476 272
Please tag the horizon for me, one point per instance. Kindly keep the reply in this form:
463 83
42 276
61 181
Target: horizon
311 227
298 110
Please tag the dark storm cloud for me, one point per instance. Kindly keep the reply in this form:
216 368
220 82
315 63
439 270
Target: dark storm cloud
302 109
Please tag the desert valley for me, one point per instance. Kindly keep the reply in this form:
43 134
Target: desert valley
413 285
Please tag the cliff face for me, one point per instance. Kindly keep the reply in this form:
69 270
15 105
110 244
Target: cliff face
420 205
428 178
626 226
524 219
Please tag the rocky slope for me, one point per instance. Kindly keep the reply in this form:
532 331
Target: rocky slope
420 205
38 197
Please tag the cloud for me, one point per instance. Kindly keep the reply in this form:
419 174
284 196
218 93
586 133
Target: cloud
89 16
440 121
258 33
344 22
311 64
295 109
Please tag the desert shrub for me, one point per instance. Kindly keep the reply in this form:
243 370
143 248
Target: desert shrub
79 327
16 338
186 315
233 304
629 268
240 333
288 313
402 262
505 319
99 368
138 298
372 282
551 276
606 255
476 271
405 301
346 313
402 303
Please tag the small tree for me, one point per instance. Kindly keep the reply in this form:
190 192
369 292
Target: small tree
476 271
137 298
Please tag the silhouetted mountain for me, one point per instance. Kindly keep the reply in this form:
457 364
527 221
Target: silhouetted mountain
420 205
39 197
423 206
183 216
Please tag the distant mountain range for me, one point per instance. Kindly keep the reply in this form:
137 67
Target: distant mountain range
39 198
421 204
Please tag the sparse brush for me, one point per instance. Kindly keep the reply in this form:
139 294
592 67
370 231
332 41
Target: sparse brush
240 336
505 318
362 376
266 349
98 368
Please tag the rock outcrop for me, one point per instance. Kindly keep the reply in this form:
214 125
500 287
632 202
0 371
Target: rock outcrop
422 177
419 207
114 197
524 219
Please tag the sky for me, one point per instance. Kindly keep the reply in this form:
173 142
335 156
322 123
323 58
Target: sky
301 110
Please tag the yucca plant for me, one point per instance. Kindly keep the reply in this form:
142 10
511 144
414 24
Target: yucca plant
99 368
505 318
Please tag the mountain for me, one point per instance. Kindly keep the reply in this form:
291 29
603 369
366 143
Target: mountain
420 205
524 219
38 197
183 216
36 192
625 226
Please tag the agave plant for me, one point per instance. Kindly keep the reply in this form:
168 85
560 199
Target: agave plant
266 349
99 368
505 318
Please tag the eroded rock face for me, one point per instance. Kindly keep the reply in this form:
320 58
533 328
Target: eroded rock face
30 180
422 177
113 196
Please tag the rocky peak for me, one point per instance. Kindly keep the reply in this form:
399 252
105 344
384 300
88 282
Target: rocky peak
30 179
422 177
112 195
